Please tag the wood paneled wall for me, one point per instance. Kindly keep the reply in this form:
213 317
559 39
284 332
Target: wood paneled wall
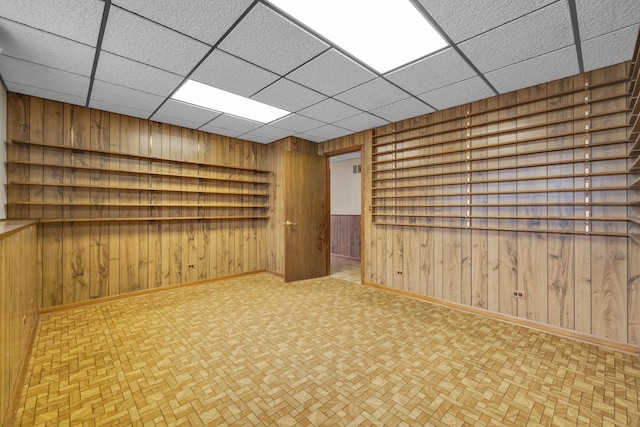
345 235
86 260
577 282
18 301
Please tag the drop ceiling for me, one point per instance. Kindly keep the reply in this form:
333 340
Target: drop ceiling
130 56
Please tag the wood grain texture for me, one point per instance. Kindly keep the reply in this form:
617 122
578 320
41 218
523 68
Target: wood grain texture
345 235
18 302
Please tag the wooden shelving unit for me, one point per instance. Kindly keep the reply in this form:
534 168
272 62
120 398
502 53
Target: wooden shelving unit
554 163
83 185
634 142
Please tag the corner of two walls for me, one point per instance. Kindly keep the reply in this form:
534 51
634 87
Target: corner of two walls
3 152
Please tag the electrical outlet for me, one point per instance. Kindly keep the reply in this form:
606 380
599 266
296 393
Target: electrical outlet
191 266
399 272
517 294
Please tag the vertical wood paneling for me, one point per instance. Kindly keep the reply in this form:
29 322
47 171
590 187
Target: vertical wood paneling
345 235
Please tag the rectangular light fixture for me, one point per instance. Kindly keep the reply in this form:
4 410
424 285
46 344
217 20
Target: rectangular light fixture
211 98
385 34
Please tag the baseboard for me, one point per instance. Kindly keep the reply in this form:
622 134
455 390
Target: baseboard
141 293
565 333
16 392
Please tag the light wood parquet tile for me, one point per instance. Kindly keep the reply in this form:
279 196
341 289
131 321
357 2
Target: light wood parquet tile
346 269
255 351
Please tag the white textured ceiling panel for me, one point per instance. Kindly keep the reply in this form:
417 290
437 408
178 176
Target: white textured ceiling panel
256 138
125 72
271 132
596 18
288 95
267 39
463 19
120 109
331 73
154 44
297 123
220 131
538 33
205 20
373 94
329 111
410 107
545 68
47 94
233 74
77 20
310 137
23 42
39 76
328 132
118 95
458 93
438 70
226 121
361 122
609 49
190 113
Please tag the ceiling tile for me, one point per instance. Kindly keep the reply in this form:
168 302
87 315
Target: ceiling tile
77 20
328 132
38 76
119 109
267 39
119 95
329 111
271 132
438 70
192 116
233 74
410 107
205 20
23 42
288 95
361 122
125 72
256 138
237 124
611 48
331 73
463 19
154 44
538 33
458 93
373 94
545 68
47 94
309 137
297 123
596 18
220 131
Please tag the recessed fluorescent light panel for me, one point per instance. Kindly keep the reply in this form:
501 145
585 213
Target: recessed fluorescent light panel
384 34
205 96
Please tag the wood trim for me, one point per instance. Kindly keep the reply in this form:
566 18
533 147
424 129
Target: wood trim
95 301
9 227
542 327
16 393
159 218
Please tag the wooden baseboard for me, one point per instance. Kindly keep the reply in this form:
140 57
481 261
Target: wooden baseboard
16 392
565 333
141 293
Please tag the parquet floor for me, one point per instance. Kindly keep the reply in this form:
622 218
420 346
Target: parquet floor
256 351
346 269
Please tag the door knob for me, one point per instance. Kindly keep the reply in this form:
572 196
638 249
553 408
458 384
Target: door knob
290 223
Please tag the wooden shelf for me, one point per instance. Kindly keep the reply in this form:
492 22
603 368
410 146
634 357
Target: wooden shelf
504 229
503 107
145 189
141 173
135 156
500 193
245 188
508 217
499 205
173 218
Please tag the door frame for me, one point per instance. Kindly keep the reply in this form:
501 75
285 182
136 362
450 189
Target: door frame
328 155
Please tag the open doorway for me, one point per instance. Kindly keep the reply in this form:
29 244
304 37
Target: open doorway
345 186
